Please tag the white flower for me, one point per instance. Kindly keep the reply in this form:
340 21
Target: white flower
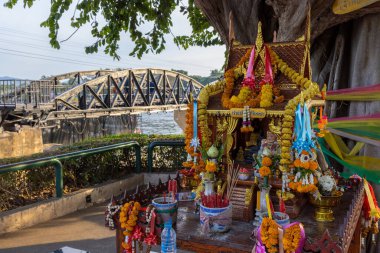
327 183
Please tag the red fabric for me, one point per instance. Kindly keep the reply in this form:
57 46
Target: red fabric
282 206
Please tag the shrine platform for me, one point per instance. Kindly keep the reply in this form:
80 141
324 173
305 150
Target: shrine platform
341 235
190 237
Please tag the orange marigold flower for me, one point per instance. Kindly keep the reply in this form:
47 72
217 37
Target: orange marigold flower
305 165
210 167
267 161
297 163
313 165
264 171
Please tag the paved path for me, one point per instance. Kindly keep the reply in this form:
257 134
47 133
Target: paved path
83 229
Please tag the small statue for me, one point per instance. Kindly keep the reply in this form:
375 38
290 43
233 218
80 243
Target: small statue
269 146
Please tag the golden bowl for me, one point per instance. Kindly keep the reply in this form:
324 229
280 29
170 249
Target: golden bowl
324 205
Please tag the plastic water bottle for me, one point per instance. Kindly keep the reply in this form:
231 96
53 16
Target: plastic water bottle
168 239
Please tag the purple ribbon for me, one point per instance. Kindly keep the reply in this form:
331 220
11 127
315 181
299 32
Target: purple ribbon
260 248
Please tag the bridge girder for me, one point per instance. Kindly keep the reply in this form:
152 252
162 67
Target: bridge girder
125 92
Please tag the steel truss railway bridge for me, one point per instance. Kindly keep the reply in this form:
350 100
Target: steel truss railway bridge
92 94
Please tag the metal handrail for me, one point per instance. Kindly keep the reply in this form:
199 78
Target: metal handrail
154 144
56 161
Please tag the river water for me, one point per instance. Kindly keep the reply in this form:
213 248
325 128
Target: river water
157 123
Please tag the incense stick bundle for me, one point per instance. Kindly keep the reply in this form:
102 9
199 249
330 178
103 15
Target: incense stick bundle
232 178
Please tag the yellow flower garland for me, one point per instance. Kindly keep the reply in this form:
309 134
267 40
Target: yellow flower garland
292 237
128 219
269 234
266 96
203 97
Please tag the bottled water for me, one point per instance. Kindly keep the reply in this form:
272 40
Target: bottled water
168 239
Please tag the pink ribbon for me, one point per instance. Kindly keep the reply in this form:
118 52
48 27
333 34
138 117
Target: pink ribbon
260 248
249 80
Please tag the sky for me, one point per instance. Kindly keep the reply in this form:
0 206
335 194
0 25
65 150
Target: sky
25 51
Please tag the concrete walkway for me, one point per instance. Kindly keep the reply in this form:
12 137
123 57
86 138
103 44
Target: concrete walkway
83 230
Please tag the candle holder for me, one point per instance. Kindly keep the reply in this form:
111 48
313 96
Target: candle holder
256 221
264 190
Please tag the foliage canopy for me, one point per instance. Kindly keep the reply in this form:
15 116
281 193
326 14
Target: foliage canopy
133 17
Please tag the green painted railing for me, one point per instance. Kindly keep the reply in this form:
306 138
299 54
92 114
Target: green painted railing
55 161
154 144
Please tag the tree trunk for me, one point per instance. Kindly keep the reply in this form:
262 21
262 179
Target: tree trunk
345 49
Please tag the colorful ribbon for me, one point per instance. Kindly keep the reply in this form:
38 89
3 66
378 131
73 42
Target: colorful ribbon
364 166
367 93
362 126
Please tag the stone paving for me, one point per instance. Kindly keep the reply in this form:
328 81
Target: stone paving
83 230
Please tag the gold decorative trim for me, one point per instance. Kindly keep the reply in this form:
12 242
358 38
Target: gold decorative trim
288 86
232 123
219 112
275 113
255 113
315 103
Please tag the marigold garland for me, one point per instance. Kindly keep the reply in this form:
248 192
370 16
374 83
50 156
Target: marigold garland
292 237
128 220
297 186
266 96
269 234
203 97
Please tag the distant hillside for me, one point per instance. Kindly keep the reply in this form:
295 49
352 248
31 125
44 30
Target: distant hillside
214 75
9 78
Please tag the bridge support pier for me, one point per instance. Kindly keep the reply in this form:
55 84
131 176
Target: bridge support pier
26 142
